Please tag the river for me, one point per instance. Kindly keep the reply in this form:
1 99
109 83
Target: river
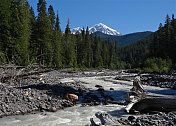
77 115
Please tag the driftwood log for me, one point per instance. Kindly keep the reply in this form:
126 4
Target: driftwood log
24 71
163 103
148 102
141 102
106 119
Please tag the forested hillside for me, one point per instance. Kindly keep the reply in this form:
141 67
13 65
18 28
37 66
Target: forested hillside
156 52
124 39
26 38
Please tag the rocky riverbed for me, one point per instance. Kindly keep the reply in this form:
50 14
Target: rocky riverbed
43 92
21 100
160 119
46 92
153 79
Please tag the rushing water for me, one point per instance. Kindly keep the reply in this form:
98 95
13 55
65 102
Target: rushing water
77 115
73 116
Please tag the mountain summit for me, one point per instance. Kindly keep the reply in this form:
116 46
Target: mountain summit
104 29
99 28
78 29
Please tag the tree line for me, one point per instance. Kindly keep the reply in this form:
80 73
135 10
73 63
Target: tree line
26 38
156 52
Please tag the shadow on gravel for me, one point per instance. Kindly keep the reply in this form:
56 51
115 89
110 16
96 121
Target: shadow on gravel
85 96
104 97
56 90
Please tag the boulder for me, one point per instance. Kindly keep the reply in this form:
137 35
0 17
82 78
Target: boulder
98 86
26 94
53 109
111 89
174 87
100 89
71 97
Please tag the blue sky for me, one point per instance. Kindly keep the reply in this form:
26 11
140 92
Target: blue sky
125 16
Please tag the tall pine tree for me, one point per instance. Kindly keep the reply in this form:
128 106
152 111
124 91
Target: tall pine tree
5 36
33 44
57 46
43 35
69 47
20 33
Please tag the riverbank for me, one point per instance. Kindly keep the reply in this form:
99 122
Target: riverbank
42 91
26 99
94 89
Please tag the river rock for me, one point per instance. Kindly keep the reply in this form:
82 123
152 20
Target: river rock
100 89
18 112
111 89
53 109
130 118
43 106
98 86
174 87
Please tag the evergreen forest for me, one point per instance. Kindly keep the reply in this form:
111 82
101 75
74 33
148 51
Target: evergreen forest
156 52
26 39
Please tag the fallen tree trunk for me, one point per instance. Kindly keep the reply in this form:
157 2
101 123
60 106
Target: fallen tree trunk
24 71
107 119
10 77
148 102
142 102
152 102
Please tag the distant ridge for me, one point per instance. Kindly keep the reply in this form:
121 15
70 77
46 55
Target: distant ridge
124 39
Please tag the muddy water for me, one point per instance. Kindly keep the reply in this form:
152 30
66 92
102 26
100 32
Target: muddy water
77 115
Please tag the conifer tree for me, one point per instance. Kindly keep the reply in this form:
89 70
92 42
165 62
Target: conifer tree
57 46
20 32
98 62
174 37
113 58
106 53
83 34
51 15
82 49
57 26
33 45
43 35
69 47
78 49
88 56
5 37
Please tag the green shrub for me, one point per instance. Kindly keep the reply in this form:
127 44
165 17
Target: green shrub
158 65
2 58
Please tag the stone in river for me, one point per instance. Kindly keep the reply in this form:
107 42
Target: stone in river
53 109
98 86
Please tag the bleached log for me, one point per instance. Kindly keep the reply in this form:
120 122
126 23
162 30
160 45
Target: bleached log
130 105
147 102
67 81
93 123
137 87
151 102
141 102
107 119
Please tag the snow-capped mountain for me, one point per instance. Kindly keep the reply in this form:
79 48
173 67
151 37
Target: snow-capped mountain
104 29
98 27
78 29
